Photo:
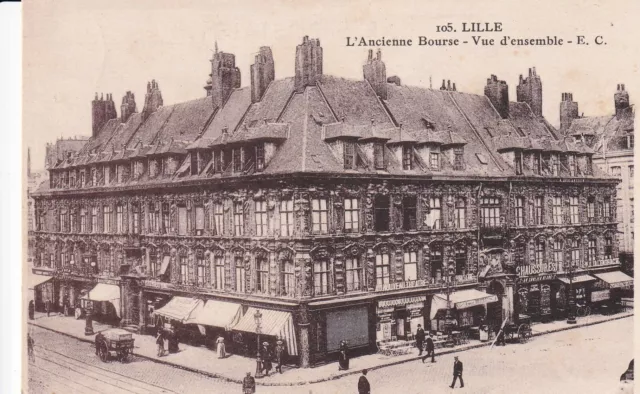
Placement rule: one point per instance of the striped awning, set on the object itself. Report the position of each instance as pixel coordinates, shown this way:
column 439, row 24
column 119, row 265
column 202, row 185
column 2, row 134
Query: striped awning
column 217, row 314
column 178, row 308
column 273, row 323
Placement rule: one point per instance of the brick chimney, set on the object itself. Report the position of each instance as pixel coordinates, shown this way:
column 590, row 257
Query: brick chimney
column 262, row 73
column 621, row 100
column 529, row 90
column 152, row 100
column 498, row 93
column 102, row 110
column 568, row 111
column 128, row 106
column 308, row 63
column 375, row 73
column 225, row 77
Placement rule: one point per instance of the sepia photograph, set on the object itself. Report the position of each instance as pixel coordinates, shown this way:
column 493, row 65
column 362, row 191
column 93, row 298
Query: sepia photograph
column 328, row 197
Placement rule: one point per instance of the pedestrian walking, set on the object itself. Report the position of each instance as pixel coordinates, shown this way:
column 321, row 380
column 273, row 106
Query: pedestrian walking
column 343, row 357
column 430, row 349
column 457, row 372
column 266, row 356
column 173, row 341
column 420, row 339
column 30, row 350
column 220, row 348
column 363, row 384
column 32, row 310
column 160, row 343
column 279, row 354
column 248, row 384
column 97, row 340
column 47, row 307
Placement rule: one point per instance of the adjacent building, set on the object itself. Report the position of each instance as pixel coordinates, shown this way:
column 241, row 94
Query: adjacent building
column 340, row 209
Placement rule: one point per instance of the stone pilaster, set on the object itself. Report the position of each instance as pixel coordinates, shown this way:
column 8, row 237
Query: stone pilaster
column 303, row 325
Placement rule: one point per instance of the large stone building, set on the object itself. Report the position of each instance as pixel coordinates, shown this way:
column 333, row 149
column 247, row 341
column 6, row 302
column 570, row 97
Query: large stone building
column 338, row 208
column 612, row 139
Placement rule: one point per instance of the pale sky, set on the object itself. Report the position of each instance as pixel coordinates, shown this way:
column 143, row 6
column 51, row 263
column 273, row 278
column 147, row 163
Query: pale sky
column 73, row 49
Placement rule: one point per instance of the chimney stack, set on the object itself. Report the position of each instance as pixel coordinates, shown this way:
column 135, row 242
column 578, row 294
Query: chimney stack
column 152, row 100
column 101, row 111
column 529, row 90
column 308, row 63
column 568, row 111
column 498, row 93
column 375, row 73
column 621, row 100
column 262, row 73
column 225, row 77
column 128, row 107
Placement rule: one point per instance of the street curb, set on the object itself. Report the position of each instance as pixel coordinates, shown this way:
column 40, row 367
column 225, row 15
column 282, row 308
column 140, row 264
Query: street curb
column 343, row 374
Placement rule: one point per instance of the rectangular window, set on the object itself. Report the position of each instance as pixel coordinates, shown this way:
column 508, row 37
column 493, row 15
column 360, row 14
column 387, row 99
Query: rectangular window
column 434, row 160
column 591, row 208
column 260, row 157
column 378, row 156
column 555, row 166
column 286, row 218
column 616, row 171
column 262, row 268
column 435, row 259
column 241, row 275
column 461, row 259
column 381, row 210
column 410, row 266
column 539, row 256
column 288, row 278
column 608, row 248
column 631, row 210
column 182, row 219
column 574, row 210
column 382, row 269
column 319, row 213
column 153, row 264
column 630, row 141
column 519, row 211
column 539, row 210
column 631, row 177
column 558, row 252
column 572, row 165
column 165, row 218
column 136, row 218
column 82, row 183
column 458, row 159
column 218, row 161
column 119, row 219
column 83, row 220
column 490, row 212
column 262, row 224
column 351, row 215
column 606, row 209
column 353, row 273
column 536, row 163
column 518, row 160
column 592, row 250
column 349, row 155
column 73, row 222
column 218, row 218
column 94, row 219
column 460, row 213
column 238, row 219
column 557, row 209
column 201, row 267
column 63, row 260
column 154, row 217
column 184, row 270
column 409, row 213
column 219, row 267
column 434, row 214
column 321, row 270
column 237, row 160
column 106, row 219
column 407, row 157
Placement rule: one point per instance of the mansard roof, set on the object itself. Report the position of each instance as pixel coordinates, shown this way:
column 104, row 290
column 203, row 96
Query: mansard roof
column 612, row 129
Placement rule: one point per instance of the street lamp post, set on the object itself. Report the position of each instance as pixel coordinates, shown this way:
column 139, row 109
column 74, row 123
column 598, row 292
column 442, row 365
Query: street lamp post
column 450, row 282
column 258, row 319
column 88, row 328
column 571, row 313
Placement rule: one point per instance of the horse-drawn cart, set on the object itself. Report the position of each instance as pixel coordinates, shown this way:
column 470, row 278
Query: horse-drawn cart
column 114, row 342
column 519, row 331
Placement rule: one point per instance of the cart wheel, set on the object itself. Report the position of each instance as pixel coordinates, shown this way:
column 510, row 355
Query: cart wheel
column 103, row 353
column 124, row 355
column 524, row 333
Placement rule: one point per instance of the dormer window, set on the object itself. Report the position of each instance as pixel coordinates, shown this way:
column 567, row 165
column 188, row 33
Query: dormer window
column 536, row 163
column 555, row 166
column 378, row 155
column 572, row 165
column 218, row 163
column 260, row 157
column 434, row 160
column 458, row 159
column 407, row 157
column 194, row 163
column 82, row 178
column 237, row 159
column 630, row 141
column 518, row 162
column 349, row 155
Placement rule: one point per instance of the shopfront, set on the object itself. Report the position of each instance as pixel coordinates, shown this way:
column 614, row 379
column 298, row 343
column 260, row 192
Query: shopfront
column 468, row 308
column 398, row 317
column 618, row 283
column 538, row 296
column 41, row 289
column 581, row 285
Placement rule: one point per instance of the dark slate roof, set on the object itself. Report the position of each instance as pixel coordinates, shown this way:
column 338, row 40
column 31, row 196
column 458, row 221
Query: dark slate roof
column 611, row 128
column 186, row 121
column 272, row 104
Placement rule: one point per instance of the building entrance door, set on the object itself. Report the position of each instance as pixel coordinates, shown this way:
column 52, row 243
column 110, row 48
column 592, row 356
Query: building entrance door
column 494, row 309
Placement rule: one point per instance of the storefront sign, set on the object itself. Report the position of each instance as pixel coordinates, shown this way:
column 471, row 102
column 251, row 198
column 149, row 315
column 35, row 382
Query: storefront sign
column 400, row 301
column 475, row 302
column 42, row 272
column 536, row 269
column 407, row 285
column 158, row 285
column 537, row 278
column 600, row 295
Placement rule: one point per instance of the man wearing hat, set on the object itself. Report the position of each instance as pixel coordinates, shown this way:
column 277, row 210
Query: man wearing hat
column 248, row 384
column 279, row 354
column 265, row 355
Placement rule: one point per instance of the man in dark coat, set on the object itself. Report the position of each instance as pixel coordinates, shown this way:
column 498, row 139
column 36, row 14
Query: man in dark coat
column 47, row 307
column 248, row 384
column 265, row 355
column 32, row 310
column 457, row 372
column 419, row 339
column 343, row 357
column 430, row 349
column 363, row 384
column 500, row 336
column 160, row 343
column 97, row 341
column 279, row 354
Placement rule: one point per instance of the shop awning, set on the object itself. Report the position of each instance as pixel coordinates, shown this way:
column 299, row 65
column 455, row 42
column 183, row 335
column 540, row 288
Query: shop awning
column 217, row 314
column 616, row 279
column 105, row 292
column 179, row 308
column 35, row 280
column 578, row 279
column 461, row 300
column 274, row 323
column 165, row 265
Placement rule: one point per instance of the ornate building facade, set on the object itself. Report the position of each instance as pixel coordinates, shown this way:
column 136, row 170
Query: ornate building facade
column 339, row 208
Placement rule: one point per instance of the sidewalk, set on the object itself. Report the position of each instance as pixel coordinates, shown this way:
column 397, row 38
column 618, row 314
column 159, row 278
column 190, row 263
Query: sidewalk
column 233, row 368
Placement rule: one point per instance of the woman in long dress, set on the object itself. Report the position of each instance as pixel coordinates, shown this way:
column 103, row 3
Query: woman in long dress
column 220, row 348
